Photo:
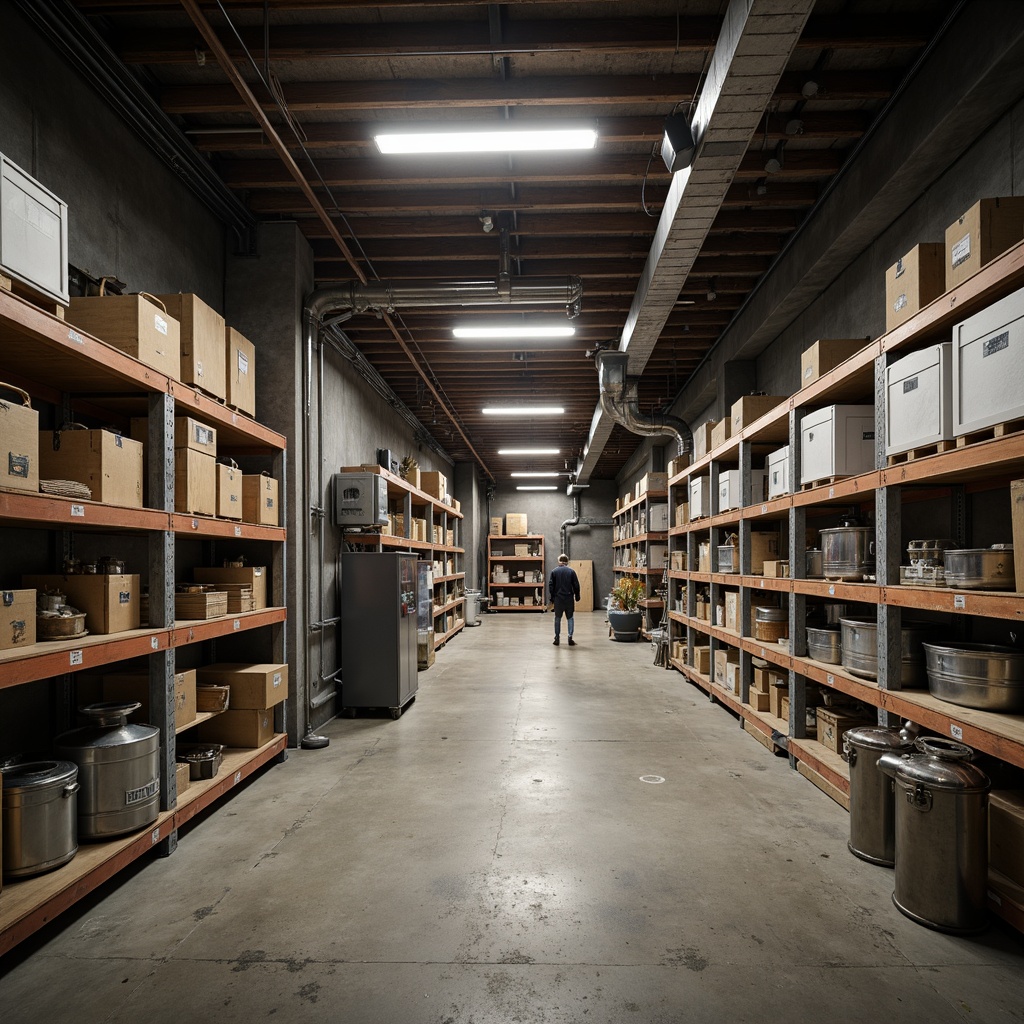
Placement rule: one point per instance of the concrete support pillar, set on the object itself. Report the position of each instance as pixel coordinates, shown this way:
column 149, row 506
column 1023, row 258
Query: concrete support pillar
column 467, row 489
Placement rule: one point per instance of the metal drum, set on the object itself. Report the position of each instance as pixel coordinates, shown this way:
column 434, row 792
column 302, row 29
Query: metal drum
column 40, row 809
column 872, row 809
column 119, row 770
column 860, row 648
column 941, row 835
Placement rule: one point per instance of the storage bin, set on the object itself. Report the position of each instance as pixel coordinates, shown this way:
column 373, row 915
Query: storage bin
column 919, row 399
column 700, row 497
column 729, row 489
column 838, row 440
column 778, row 473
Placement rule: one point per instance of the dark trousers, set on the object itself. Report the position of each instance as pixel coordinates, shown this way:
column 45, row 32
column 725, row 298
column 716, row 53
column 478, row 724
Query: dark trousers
column 565, row 608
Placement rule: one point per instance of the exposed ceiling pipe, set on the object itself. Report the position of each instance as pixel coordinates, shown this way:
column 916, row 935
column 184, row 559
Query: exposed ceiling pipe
column 619, row 401
column 563, row 530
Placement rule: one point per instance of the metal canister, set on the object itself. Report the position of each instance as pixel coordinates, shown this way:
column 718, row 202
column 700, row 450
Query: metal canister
column 119, row 770
column 872, row 807
column 771, row 624
column 40, row 811
column 941, row 835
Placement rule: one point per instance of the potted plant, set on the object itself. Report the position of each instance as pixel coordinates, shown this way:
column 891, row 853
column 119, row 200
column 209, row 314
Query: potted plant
column 624, row 615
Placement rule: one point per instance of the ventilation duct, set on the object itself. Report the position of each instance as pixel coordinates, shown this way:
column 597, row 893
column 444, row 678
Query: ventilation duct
column 619, row 401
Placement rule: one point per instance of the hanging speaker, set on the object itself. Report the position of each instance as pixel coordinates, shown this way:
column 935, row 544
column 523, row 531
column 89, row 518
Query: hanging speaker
column 677, row 143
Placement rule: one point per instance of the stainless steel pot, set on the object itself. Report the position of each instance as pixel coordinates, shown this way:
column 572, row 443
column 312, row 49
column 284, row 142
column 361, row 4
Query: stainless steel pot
column 824, row 645
column 815, row 563
column 40, row 809
column 119, row 770
column 860, row 649
column 980, row 568
column 941, row 835
column 848, row 552
column 872, row 808
column 980, row 676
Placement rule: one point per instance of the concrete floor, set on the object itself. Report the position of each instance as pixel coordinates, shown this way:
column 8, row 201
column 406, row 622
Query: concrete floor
column 495, row 856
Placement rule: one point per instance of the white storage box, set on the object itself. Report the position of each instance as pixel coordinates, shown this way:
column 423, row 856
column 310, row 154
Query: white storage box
column 33, row 233
column 729, row 489
column 919, row 399
column 838, row 440
column 777, row 470
column 700, row 497
column 657, row 518
column 988, row 366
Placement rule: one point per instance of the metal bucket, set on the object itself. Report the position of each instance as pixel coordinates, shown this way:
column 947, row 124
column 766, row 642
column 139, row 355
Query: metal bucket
column 40, row 809
column 872, row 807
column 860, row 649
column 472, row 607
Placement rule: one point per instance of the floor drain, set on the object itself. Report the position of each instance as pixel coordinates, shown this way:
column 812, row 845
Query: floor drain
column 654, row 780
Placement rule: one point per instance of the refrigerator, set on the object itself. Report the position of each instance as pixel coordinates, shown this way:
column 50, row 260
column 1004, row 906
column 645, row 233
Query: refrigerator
column 378, row 630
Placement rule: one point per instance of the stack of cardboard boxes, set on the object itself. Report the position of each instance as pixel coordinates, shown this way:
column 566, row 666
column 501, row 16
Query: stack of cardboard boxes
column 255, row 691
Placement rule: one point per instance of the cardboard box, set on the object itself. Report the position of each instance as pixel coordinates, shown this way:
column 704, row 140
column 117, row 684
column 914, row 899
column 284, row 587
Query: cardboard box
column 515, row 524
column 1017, row 515
column 188, row 433
column 425, row 653
column 677, row 465
column 760, row 679
column 133, row 324
column 229, row 492
column 260, row 500
column 434, row 484
column 678, row 560
column 833, row 723
column 776, row 569
column 652, row 482
column 732, row 610
column 682, row 513
column 182, row 776
column 702, row 659
column 702, row 440
column 759, row 701
column 110, row 602
column 764, row 547
column 238, row 728
column 721, row 432
column 240, row 371
column 203, row 343
column 110, row 465
column 134, row 686
column 1006, row 833
column 825, row 355
column 253, row 687
column 17, row 619
column 732, row 676
column 253, row 576
column 723, row 657
column 19, row 442
column 195, row 482
column 979, row 235
column 913, row 281
column 778, row 689
column 704, row 556
column 751, row 407
column 497, row 527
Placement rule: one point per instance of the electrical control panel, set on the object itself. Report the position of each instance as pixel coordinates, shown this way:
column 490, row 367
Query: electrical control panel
column 360, row 499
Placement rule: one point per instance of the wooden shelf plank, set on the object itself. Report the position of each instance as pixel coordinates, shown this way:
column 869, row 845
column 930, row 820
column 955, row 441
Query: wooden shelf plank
column 992, row 604
column 658, row 496
column 517, row 607
column 208, row 526
column 46, row 511
column 440, row 641
column 193, row 631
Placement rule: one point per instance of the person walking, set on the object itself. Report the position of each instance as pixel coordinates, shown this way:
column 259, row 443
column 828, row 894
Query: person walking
column 564, row 589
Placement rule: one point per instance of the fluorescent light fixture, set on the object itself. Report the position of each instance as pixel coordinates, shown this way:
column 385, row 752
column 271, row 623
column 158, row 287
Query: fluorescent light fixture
column 523, row 410
column 521, row 476
column 536, row 487
column 529, row 451
column 513, row 139
column 515, row 332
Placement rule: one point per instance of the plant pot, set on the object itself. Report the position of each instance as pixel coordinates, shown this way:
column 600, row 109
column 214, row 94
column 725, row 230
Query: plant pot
column 625, row 625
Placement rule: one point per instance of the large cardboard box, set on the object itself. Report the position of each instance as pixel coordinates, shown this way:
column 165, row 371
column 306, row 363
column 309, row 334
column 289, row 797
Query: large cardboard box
column 702, row 660
column 188, row 433
column 732, row 610
column 723, row 657
column 195, row 482
column 751, row 407
column 110, row 601
column 979, row 235
column 833, row 724
column 652, row 482
column 253, row 687
column 515, row 524
column 497, row 526
column 17, row 619
column 778, row 689
column 203, row 343
column 434, row 484
column 133, row 324
column 677, row 465
column 239, row 728
column 182, row 776
column 825, row 355
column 254, row 576
column 425, row 653
column 759, row 701
column 1006, row 833
column 229, row 492
column 134, row 686
column 110, row 465
column 260, row 500
column 584, row 569
column 721, row 432
column 241, row 371
column 913, row 281
column 19, row 442
column 702, row 440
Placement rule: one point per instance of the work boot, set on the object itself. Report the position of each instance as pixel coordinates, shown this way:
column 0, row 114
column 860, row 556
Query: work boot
column 555, row 641
column 572, row 643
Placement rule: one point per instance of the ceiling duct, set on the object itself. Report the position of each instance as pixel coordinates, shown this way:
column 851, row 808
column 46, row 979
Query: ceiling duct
column 619, row 401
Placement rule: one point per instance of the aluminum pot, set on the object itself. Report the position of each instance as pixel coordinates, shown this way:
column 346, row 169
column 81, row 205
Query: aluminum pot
column 980, row 568
column 980, row 676
column 119, row 770
column 848, row 552
column 824, row 645
column 872, row 807
column 815, row 563
column 40, row 810
column 860, row 649
column 941, row 835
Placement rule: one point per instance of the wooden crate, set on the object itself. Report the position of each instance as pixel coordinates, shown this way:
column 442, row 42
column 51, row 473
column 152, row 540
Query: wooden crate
column 200, row 604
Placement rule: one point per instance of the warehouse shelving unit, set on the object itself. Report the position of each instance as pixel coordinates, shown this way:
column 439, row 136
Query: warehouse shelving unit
column 529, row 563
column 58, row 364
column 985, row 465
column 632, row 554
column 443, row 524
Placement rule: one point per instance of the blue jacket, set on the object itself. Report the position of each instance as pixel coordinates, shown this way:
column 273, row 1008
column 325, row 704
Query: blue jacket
column 564, row 584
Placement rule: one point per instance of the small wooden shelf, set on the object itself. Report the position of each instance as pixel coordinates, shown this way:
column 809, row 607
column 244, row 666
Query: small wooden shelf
column 659, row 496
column 442, row 639
column 658, row 537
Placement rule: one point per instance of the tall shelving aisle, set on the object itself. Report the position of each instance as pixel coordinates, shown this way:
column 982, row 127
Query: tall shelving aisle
column 520, row 554
column 72, row 371
column 640, row 546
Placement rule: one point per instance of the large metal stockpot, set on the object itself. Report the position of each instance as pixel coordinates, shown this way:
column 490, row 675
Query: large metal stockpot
column 941, row 835
column 40, row 809
column 980, row 676
column 860, row 649
column 848, row 552
column 119, row 770
column 872, row 810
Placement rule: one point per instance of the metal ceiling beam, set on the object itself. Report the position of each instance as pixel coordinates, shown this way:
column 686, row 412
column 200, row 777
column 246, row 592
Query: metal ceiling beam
column 755, row 45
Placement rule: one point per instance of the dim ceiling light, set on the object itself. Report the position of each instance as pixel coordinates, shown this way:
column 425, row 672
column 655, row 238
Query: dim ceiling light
column 501, row 140
column 522, row 476
column 523, row 410
column 536, row 487
column 515, row 332
column 529, row 451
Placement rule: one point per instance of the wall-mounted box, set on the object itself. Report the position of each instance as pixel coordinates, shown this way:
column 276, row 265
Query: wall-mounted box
column 838, row 440
column 980, row 234
column 826, row 354
column 777, row 472
column 729, row 489
column 913, row 281
column 33, row 233
column 700, row 497
column 203, row 343
column 988, row 366
column 919, row 399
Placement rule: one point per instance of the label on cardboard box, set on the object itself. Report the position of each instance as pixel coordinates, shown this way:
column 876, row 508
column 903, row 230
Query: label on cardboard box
column 159, row 323
column 243, row 363
column 960, row 252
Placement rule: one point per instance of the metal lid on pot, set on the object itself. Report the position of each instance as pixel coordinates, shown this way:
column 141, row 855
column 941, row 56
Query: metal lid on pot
column 878, row 738
column 109, row 728
column 769, row 613
column 37, row 774
column 943, row 764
